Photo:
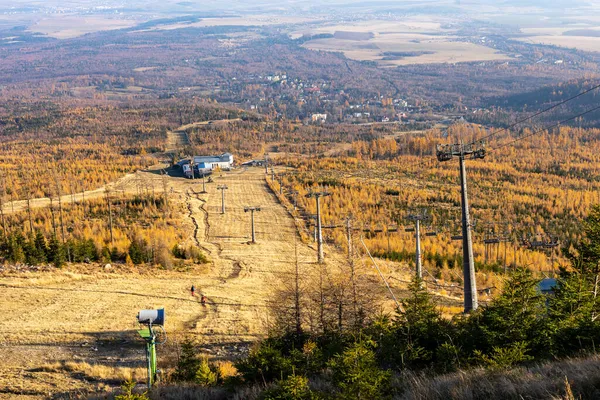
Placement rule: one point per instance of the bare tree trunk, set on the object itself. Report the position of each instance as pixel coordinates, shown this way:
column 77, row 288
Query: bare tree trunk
column 166, row 196
column 340, row 315
column 352, row 271
column 297, row 310
column 61, row 218
column 2, row 196
column 321, row 298
column 594, row 316
column 83, row 200
column 29, row 209
column 52, row 214
column 110, row 221
column 72, row 194
column 4, row 231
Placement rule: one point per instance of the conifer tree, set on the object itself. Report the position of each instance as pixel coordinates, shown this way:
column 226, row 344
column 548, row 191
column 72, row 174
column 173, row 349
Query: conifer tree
column 517, row 315
column 41, row 247
column 15, row 251
column 418, row 329
column 56, row 252
column 357, row 375
column 188, row 363
column 574, row 309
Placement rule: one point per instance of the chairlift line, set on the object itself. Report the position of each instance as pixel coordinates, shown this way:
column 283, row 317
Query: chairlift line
column 545, row 128
column 446, row 152
column 381, row 275
column 541, row 112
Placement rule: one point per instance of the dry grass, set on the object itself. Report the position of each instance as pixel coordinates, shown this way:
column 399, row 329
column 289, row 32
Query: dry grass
column 568, row 391
column 97, row 371
column 561, row 380
column 546, row 381
column 89, row 312
column 451, row 310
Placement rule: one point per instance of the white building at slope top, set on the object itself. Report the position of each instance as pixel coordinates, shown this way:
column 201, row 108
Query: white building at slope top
column 205, row 164
column 224, row 161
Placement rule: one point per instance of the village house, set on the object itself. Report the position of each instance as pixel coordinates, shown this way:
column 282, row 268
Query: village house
column 319, row 118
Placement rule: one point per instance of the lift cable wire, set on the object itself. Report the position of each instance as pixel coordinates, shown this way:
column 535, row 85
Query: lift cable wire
column 540, row 113
column 544, row 129
column 381, row 275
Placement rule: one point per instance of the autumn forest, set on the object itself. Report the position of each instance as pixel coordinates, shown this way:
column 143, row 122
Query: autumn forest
column 97, row 128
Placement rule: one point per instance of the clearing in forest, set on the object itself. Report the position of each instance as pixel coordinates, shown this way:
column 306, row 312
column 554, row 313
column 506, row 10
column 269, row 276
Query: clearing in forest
column 176, row 140
column 87, row 313
column 61, row 325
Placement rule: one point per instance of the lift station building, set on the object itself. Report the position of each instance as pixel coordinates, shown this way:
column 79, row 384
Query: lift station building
column 204, row 165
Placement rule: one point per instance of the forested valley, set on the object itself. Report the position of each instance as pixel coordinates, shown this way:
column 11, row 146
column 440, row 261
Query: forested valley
column 297, row 271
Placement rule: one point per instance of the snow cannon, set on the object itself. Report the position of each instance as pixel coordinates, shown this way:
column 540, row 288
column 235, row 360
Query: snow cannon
column 152, row 317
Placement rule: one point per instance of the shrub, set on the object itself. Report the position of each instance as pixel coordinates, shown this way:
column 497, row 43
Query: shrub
column 56, row 252
column 206, row 374
column 189, row 253
column 138, row 251
column 418, row 330
column 505, row 357
column 358, row 376
column 187, row 364
column 517, row 315
column 163, row 256
column 294, row 387
column 128, row 394
column 264, row 364
column 194, row 368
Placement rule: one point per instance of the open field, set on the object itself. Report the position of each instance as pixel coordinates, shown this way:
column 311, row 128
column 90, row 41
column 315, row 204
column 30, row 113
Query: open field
column 580, row 32
column 407, row 49
column 247, row 20
column 586, row 43
column 144, row 69
column 66, row 27
column 414, row 40
column 414, row 23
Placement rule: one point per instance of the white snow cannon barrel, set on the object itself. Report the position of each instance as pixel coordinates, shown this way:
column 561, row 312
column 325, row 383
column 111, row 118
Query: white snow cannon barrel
column 153, row 317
